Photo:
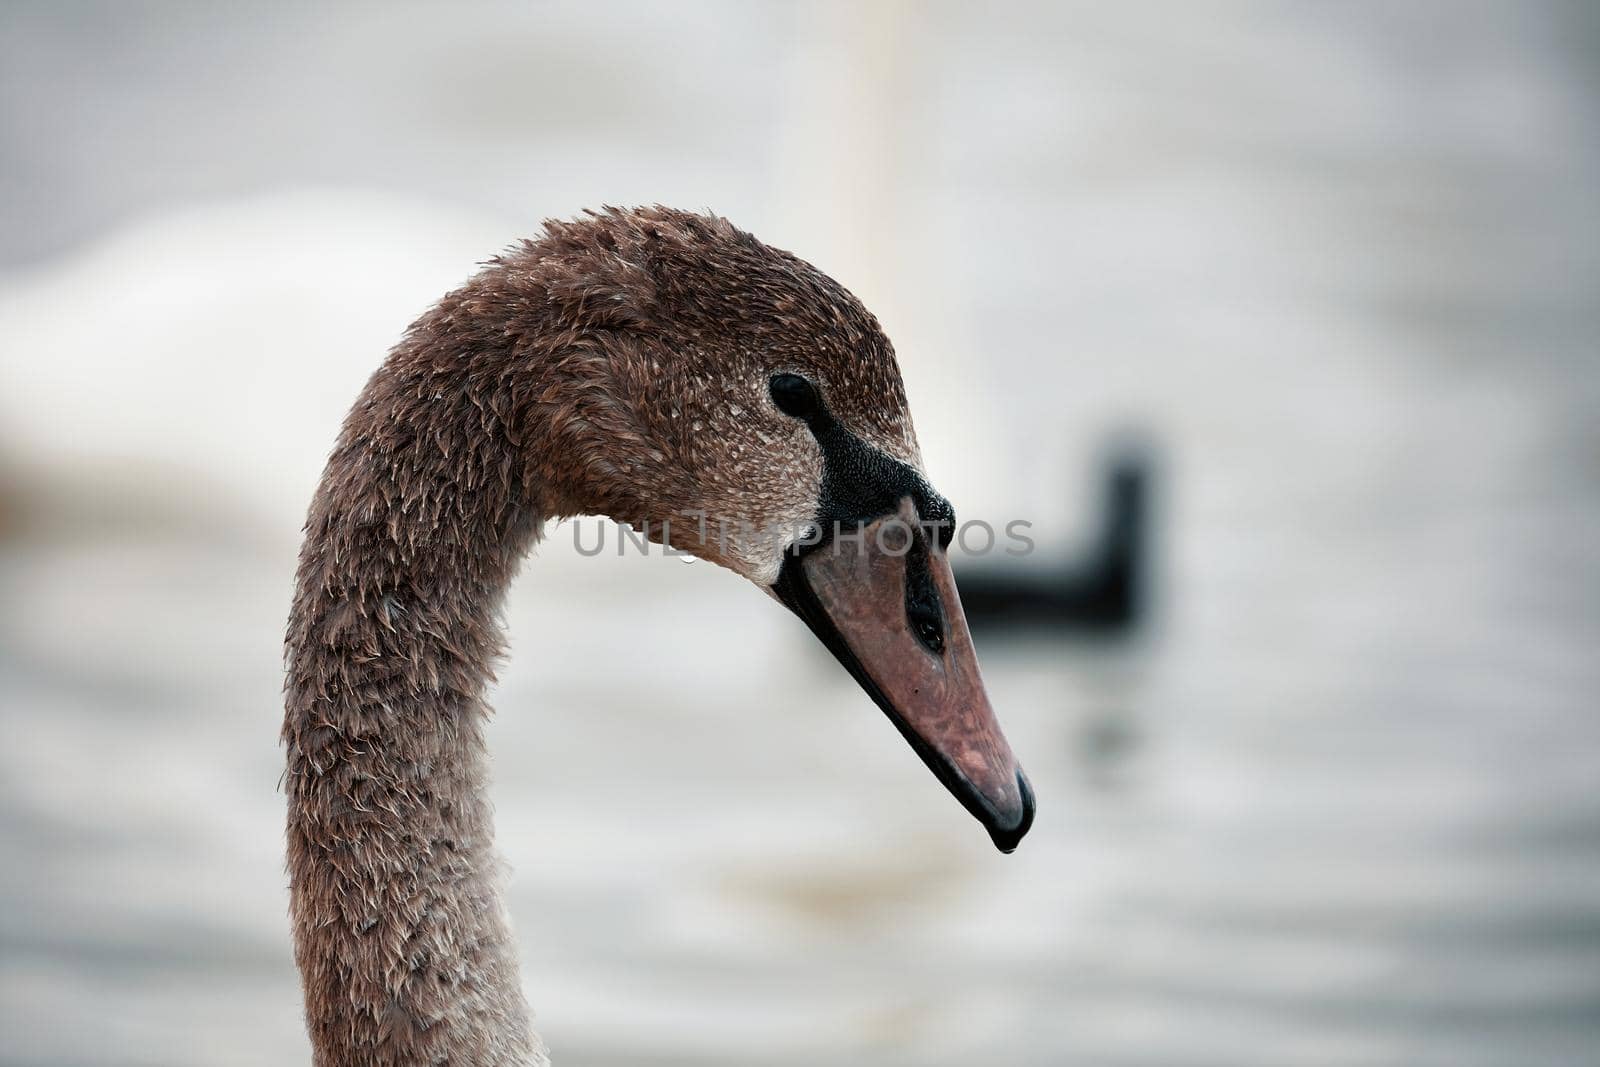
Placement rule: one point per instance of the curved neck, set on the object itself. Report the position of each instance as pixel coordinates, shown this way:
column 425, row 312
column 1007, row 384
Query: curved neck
column 412, row 538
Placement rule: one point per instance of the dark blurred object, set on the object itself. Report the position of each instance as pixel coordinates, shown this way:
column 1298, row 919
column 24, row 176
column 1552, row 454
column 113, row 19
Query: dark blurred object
column 1104, row 592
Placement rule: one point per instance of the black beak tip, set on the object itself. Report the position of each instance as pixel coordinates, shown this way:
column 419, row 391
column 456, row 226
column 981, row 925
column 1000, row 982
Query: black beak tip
column 1006, row 838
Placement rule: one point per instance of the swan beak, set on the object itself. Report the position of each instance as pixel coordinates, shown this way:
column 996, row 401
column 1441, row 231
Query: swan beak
column 883, row 599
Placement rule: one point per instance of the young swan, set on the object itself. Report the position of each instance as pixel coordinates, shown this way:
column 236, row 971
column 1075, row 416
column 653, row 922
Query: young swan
column 659, row 367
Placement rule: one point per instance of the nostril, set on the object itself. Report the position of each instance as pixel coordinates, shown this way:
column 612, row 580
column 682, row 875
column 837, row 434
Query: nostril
column 924, row 609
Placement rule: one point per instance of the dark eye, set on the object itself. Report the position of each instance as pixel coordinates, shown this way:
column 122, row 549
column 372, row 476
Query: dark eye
column 795, row 396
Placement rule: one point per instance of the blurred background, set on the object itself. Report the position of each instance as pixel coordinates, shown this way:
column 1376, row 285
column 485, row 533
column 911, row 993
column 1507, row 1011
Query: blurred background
column 1333, row 798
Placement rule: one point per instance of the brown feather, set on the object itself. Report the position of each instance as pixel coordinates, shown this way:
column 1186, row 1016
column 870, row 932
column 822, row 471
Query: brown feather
column 617, row 365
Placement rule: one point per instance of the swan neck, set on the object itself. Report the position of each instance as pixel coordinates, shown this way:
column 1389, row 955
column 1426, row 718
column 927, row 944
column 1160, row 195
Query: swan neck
column 412, row 538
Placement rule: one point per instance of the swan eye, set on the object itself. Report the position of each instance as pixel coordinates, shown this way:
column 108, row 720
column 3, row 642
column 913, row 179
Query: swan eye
column 795, row 396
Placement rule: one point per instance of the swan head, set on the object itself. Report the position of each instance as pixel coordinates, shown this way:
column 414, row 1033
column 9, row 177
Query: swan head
column 736, row 403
